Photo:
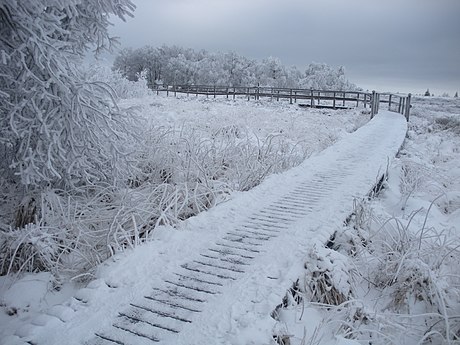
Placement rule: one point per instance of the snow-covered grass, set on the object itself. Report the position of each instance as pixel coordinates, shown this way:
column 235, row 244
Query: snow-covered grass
column 192, row 154
column 391, row 275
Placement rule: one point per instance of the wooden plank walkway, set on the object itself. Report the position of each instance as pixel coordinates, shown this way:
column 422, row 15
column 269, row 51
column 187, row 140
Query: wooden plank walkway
column 161, row 315
column 245, row 267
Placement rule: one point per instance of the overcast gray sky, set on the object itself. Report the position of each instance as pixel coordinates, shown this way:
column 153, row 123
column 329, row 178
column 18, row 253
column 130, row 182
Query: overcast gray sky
column 386, row 45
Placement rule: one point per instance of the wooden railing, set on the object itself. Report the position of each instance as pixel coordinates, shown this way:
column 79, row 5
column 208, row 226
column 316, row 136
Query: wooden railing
column 304, row 97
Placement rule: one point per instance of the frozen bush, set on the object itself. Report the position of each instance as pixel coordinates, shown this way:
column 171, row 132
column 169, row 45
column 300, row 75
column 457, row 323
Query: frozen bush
column 122, row 87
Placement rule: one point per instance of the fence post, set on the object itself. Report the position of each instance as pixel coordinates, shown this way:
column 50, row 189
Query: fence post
column 167, row 91
column 373, row 103
column 343, row 101
column 408, row 107
column 175, row 93
column 312, row 102
column 389, row 102
column 333, row 101
column 290, row 96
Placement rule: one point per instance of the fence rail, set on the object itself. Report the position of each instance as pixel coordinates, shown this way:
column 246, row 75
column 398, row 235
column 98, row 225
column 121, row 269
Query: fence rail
column 334, row 99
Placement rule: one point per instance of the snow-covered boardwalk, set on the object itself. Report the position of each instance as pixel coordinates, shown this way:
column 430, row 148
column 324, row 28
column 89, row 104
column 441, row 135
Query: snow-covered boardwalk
column 223, row 288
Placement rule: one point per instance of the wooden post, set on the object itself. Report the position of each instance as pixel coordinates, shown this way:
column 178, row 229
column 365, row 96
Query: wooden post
column 214, row 91
column 343, row 101
column 174, row 88
column 312, row 101
column 333, row 101
column 373, row 104
column 295, row 96
column 248, row 94
column 357, row 99
column 278, row 95
column 234, row 91
column 290, row 96
column 408, row 107
column 167, row 91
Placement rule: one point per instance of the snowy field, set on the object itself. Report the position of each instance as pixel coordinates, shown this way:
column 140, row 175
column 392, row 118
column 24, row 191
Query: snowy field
column 408, row 234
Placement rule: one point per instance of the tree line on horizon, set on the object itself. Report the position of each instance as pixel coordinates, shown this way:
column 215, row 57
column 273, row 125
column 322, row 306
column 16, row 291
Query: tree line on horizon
column 173, row 65
column 445, row 94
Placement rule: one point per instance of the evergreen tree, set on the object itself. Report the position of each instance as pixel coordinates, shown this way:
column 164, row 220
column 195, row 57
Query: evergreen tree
column 456, row 94
column 427, row 92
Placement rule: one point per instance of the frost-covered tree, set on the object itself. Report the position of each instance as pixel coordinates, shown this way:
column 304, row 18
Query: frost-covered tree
column 56, row 128
column 456, row 94
column 176, row 65
column 427, row 93
column 129, row 63
column 320, row 76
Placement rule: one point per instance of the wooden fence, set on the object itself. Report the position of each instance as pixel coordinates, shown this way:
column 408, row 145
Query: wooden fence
column 304, row 97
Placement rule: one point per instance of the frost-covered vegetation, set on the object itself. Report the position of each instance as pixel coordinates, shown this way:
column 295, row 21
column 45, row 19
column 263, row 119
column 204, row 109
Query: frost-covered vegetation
column 82, row 177
column 391, row 274
column 182, row 66
column 203, row 151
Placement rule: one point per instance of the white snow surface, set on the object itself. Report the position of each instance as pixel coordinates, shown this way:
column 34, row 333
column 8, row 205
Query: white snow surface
column 315, row 198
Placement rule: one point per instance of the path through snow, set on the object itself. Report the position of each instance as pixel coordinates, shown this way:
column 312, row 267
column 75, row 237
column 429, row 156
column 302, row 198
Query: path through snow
column 217, row 281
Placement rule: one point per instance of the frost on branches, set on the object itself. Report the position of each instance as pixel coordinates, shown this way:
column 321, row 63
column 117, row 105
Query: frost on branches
column 60, row 134
column 56, row 128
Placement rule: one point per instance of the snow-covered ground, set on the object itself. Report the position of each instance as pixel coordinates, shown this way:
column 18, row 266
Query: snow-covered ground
column 426, row 168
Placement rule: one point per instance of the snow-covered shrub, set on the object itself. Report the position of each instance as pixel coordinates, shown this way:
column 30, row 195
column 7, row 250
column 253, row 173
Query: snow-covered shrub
column 411, row 179
column 327, row 277
column 415, row 271
column 449, row 123
column 122, row 87
column 28, row 249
